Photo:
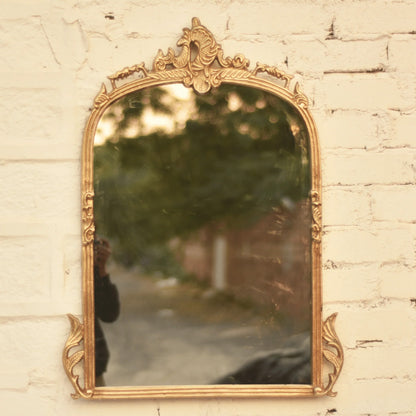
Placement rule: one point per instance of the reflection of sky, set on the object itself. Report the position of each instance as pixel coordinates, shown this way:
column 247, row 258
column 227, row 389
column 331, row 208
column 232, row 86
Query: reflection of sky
column 178, row 98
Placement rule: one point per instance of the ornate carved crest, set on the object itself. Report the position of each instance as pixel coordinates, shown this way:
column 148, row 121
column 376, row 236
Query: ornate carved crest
column 201, row 64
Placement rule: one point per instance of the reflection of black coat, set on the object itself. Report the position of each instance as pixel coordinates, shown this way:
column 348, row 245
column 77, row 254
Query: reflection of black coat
column 290, row 364
column 107, row 309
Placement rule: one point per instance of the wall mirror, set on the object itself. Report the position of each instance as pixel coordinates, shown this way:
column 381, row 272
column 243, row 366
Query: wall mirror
column 201, row 234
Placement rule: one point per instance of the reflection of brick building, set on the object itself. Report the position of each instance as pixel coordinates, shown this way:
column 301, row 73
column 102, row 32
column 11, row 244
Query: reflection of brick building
column 268, row 263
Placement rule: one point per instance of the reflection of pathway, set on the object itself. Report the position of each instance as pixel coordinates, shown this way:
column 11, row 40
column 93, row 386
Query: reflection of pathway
column 169, row 333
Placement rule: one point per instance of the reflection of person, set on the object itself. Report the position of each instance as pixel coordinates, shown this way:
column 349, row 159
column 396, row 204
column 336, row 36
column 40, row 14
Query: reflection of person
column 290, row 364
column 107, row 306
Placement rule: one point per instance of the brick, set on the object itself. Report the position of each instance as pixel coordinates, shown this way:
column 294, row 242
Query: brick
column 33, row 343
column 51, row 308
column 375, row 397
column 353, row 19
column 23, row 45
column 67, row 40
column 356, row 246
column 349, row 284
column 345, row 206
column 402, row 54
column 19, row 380
column 364, row 92
column 397, row 281
column 347, row 129
column 374, row 360
column 284, row 20
column 336, row 56
column 24, row 9
column 21, row 258
column 72, row 267
column 142, row 20
column 40, row 106
column 39, row 397
column 39, row 191
column 394, row 203
column 368, row 168
column 382, row 325
column 257, row 51
column 404, row 126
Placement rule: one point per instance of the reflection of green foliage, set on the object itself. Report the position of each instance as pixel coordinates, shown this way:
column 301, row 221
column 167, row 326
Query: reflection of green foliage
column 128, row 111
column 225, row 167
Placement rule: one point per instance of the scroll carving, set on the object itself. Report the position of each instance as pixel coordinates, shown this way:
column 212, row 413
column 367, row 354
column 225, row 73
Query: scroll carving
column 333, row 353
column 272, row 70
column 126, row 72
column 101, row 98
column 199, row 71
column 200, row 64
column 300, row 98
column 316, row 216
column 70, row 361
column 88, row 218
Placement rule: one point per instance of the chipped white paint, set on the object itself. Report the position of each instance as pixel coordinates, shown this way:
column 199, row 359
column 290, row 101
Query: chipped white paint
column 356, row 62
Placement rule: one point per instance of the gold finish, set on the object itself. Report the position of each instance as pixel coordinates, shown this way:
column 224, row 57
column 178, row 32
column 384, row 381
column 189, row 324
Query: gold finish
column 88, row 217
column 201, row 65
column 70, row 361
column 336, row 358
column 300, row 99
column 272, row 70
column 316, row 216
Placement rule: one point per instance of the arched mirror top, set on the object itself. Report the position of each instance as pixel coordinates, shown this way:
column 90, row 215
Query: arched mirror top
column 205, row 73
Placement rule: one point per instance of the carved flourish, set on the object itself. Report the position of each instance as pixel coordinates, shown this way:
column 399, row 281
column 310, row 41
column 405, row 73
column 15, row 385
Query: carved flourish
column 316, row 216
column 101, row 98
column 300, row 99
column 199, row 71
column 70, row 361
column 272, row 70
column 200, row 64
column 88, row 218
column 126, row 72
column 333, row 353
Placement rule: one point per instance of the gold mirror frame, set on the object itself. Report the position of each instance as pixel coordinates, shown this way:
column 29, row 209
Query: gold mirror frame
column 207, row 69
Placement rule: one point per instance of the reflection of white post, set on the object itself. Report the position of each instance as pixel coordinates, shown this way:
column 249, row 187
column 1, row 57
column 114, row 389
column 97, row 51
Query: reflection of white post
column 220, row 263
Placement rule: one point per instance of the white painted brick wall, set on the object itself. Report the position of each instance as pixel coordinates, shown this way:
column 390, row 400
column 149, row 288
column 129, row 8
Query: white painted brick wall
column 356, row 61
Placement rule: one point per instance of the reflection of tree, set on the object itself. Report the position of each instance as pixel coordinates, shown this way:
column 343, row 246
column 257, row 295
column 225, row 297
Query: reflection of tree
column 241, row 153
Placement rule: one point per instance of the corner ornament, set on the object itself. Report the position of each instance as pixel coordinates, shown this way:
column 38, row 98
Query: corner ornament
column 333, row 353
column 70, row 361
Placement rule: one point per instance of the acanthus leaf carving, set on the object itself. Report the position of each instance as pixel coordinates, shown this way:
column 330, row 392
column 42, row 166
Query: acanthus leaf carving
column 101, row 98
column 274, row 71
column 300, row 98
column 75, row 337
column 88, row 218
column 333, row 354
column 316, row 215
column 126, row 72
column 201, row 64
column 200, row 73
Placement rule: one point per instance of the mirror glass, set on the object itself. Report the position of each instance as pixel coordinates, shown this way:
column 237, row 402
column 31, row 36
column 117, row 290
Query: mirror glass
column 202, row 251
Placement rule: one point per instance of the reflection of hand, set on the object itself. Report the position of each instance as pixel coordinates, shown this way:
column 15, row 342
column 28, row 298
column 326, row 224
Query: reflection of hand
column 102, row 252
